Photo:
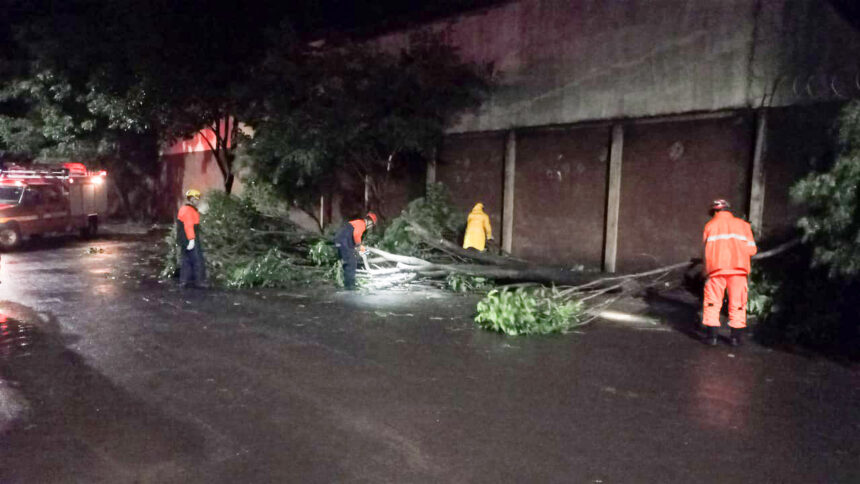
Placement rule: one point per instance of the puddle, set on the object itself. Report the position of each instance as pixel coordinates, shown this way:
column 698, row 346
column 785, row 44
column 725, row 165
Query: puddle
column 16, row 338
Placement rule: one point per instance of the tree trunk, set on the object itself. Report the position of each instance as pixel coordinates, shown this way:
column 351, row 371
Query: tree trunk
column 450, row 248
column 522, row 272
column 123, row 200
column 228, row 183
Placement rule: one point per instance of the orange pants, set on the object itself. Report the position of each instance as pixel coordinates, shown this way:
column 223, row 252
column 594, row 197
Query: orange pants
column 714, row 290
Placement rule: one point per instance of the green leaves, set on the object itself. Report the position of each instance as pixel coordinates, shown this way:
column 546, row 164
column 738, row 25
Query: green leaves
column 272, row 269
column 464, row 283
column 322, row 253
column 832, row 225
column 809, row 296
column 355, row 109
column 246, row 248
column 528, row 311
column 435, row 212
column 760, row 294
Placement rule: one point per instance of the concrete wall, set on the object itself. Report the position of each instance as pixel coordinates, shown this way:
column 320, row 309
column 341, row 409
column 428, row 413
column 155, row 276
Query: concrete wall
column 671, row 172
column 799, row 139
column 182, row 171
column 671, row 169
column 654, row 66
column 560, row 185
column 403, row 183
column 566, row 61
column 569, row 70
column 472, row 167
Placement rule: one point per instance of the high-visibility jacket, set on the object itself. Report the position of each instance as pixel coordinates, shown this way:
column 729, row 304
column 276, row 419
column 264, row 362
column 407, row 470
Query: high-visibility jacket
column 187, row 224
column 729, row 244
column 478, row 228
column 358, row 228
column 351, row 233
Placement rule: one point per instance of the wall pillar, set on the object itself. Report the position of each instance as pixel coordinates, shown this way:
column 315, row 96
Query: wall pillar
column 613, row 199
column 322, row 212
column 757, row 181
column 366, row 193
column 508, row 193
column 431, row 169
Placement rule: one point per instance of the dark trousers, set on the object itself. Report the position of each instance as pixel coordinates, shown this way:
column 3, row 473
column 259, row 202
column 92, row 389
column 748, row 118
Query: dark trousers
column 193, row 270
column 347, row 258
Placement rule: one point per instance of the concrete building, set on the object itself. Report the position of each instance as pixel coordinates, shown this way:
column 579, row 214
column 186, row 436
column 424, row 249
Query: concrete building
column 616, row 122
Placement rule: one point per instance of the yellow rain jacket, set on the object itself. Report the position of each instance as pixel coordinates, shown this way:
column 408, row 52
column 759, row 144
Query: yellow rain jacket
column 478, row 228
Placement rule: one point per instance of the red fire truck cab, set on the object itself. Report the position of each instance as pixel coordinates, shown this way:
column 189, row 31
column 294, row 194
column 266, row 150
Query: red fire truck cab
column 50, row 199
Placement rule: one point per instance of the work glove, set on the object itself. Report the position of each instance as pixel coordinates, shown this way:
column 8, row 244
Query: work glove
column 190, row 244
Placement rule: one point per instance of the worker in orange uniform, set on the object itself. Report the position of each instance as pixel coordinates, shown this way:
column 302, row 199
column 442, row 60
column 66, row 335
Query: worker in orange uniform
column 192, row 273
column 347, row 238
column 478, row 229
column 728, row 246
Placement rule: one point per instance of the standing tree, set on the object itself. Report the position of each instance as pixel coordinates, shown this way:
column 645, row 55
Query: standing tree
column 158, row 68
column 832, row 226
column 808, row 296
column 56, row 101
column 355, row 109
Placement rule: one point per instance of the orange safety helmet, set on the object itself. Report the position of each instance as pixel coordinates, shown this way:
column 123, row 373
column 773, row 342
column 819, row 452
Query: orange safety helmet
column 719, row 204
column 372, row 216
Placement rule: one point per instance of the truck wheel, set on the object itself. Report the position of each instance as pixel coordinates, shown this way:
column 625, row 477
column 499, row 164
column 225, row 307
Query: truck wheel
column 10, row 237
column 92, row 228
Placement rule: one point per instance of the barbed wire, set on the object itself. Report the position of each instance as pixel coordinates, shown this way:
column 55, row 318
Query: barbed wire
column 822, row 86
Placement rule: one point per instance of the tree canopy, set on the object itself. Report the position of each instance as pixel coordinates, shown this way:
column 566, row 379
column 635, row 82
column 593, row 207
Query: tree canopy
column 80, row 76
column 832, row 226
column 162, row 69
column 353, row 108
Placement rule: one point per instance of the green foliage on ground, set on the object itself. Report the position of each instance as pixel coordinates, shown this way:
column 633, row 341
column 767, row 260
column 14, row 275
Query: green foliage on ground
column 529, row 311
column 760, row 292
column 322, row 253
column 170, row 261
column 334, row 273
column 809, row 296
column 435, row 212
column 457, row 282
column 272, row 269
column 798, row 304
column 245, row 248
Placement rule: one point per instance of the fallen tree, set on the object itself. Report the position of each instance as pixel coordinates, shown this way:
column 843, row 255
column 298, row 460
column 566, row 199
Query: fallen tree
column 247, row 248
column 518, row 270
column 527, row 306
column 499, row 271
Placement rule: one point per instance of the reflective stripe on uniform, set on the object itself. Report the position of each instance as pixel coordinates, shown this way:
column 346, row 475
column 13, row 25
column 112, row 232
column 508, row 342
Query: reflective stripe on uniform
column 750, row 243
column 728, row 236
column 24, row 218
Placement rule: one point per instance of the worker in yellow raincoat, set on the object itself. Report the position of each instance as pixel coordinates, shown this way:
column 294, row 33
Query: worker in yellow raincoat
column 478, row 230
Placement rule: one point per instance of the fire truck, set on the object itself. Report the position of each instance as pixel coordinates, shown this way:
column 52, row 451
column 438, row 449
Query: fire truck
column 50, row 199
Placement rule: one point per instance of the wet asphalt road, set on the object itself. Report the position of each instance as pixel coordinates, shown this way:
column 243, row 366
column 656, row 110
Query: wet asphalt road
column 107, row 375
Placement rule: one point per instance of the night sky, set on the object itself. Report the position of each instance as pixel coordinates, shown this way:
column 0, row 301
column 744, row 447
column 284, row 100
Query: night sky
column 850, row 9
column 320, row 16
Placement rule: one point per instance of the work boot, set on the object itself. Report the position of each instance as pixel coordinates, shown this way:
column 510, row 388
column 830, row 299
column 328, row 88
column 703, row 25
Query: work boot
column 735, row 337
column 711, row 336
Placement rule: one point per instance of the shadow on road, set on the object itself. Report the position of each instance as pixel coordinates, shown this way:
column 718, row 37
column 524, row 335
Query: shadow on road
column 47, row 243
column 60, row 417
